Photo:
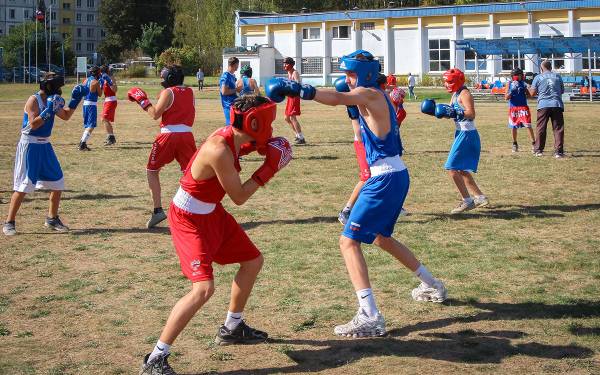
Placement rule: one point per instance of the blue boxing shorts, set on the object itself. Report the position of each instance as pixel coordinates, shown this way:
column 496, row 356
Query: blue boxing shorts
column 227, row 113
column 36, row 166
column 378, row 206
column 90, row 115
column 464, row 154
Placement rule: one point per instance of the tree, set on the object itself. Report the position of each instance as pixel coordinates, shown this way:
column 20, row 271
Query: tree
column 153, row 40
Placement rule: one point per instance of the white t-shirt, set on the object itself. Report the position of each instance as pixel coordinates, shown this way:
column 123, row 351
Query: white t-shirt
column 411, row 81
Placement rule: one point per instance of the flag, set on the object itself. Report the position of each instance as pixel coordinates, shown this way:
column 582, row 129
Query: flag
column 39, row 15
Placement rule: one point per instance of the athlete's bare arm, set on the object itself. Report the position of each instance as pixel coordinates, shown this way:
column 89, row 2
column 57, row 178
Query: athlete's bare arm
column 165, row 100
column 226, row 90
column 296, row 76
column 95, row 87
column 254, row 86
column 65, row 113
column 466, row 100
column 33, row 111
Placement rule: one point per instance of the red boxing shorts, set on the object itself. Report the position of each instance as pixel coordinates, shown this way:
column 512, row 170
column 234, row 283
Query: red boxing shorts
column 292, row 106
column 519, row 117
column 400, row 115
column 170, row 146
column 201, row 239
column 108, row 111
column 361, row 157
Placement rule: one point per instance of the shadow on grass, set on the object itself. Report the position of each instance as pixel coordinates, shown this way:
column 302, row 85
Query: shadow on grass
column 84, row 197
column 91, row 231
column 511, row 212
column 464, row 346
column 310, row 220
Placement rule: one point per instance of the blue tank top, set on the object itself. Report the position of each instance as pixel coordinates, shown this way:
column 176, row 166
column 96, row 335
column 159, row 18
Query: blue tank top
column 92, row 96
column 43, row 131
column 377, row 148
column 464, row 124
column 246, row 86
column 520, row 99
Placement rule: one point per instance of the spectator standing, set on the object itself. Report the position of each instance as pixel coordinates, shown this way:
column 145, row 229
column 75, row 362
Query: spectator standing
column 411, row 86
column 200, row 78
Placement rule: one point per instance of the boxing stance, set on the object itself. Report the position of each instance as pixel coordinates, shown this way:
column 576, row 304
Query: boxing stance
column 464, row 154
column 175, row 107
column 379, row 203
column 292, row 106
column 227, row 88
column 247, row 85
column 36, row 164
column 203, row 232
column 519, row 115
column 90, row 106
column 109, row 87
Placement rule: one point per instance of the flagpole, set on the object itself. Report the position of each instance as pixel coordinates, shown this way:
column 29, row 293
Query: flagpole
column 50, row 41
column 36, row 51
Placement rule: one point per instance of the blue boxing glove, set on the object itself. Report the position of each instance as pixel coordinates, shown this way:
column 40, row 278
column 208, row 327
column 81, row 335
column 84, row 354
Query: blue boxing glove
column 54, row 103
column 79, row 91
column 515, row 88
column 106, row 78
column 341, row 86
column 447, row 111
column 278, row 88
column 428, row 107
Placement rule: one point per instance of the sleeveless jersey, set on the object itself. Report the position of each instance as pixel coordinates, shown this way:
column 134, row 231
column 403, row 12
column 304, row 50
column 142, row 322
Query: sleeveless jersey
column 108, row 92
column 209, row 191
column 519, row 100
column 246, row 86
column 91, row 96
column 181, row 111
column 381, row 148
column 43, row 131
column 464, row 124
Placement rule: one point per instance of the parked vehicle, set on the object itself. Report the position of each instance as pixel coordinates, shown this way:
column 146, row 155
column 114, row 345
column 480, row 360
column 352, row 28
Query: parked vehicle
column 118, row 66
column 51, row 67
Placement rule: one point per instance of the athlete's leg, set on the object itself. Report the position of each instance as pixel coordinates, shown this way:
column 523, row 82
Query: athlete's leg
column 107, row 126
column 185, row 309
column 154, row 185
column 288, row 119
column 355, row 263
column 296, row 124
column 514, row 135
column 457, row 177
column 54, row 203
column 243, row 283
column 15, row 203
column 399, row 251
column 470, row 184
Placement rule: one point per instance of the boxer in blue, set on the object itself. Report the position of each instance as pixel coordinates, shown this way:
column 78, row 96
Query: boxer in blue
column 374, row 215
column 90, row 106
column 36, row 164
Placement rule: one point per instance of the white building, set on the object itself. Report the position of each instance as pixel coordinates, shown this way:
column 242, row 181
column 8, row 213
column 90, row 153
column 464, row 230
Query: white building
column 416, row 40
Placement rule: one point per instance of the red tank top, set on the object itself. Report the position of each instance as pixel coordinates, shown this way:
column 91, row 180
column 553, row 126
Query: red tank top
column 108, row 91
column 209, row 191
column 181, row 111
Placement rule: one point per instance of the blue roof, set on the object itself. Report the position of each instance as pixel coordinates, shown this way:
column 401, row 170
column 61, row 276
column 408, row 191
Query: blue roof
column 420, row 12
column 530, row 45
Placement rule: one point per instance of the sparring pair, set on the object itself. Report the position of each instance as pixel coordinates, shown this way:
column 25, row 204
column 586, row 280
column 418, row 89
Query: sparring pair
column 381, row 198
column 175, row 107
column 519, row 115
column 36, row 164
column 247, row 85
column 463, row 158
column 203, row 232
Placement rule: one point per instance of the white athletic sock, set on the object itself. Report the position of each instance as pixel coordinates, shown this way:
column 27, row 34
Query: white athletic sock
column 159, row 349
column 366, row 300
column 300, row 135
column 424, row 275
column 348, row 207
column 232, row 320
column 468, row 200
column 86, row 135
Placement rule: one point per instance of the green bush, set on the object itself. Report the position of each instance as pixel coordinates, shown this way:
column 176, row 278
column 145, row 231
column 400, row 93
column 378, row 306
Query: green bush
column 135, row 71
column 191, row 59
column 432, row 80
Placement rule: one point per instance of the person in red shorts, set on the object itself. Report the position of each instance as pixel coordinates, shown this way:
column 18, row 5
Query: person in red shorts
column 109, row 88
column 175, row 142
column 203, row 232
column 292, row 106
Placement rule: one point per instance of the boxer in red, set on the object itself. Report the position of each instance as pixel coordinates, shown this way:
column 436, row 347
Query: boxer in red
column 175, row 142
column 109, row 88
column 204, row 232
column 292, row 106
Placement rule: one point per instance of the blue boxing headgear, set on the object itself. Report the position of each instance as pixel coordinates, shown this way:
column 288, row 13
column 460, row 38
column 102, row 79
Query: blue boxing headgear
column 364, row 65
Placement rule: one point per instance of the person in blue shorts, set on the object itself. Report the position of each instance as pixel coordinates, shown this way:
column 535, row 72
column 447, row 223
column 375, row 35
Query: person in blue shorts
column 227, row 88
column 36, row 164
column 463, row 158
column 90, row 106
column 380, row 201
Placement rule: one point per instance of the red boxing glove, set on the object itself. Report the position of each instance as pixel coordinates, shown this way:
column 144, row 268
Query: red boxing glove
column 135, row 94
column 247, row 148
column 278, row 155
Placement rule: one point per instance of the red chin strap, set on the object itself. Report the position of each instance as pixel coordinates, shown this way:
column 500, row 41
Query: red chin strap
column 516, row 78
column 262, row 130
column 454, row 80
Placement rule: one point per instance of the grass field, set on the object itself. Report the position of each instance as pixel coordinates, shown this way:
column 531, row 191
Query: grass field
column 523, row 275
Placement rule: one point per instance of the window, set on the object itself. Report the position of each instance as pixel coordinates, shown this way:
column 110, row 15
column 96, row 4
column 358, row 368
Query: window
column 79, row 32
column 312, row 65
column 335, row 65
column 439, row 55
column 102, row 33
column 53, row 16
column 65, row 35
column 66, row 5
column 511, row 61
column 311, row 33
column 279, row 66
column 78, row 46
column 11, row 14
column 25, row 14
column 470, row 61
column 367, row 25
column 66, row 20
column 341, row 32
column 558, row 59
column 78, row 17
column 90, row 3
column 78, row 3
column 90, row 33
column 595, row 57
column 90, row 47
column 90, row 18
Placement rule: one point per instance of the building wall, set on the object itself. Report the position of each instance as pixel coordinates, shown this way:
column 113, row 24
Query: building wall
column 404, row 42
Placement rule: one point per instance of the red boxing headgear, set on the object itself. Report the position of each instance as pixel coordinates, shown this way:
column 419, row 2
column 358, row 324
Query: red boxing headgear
column 264, row 114
column 391, row 80
column 454, row 80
